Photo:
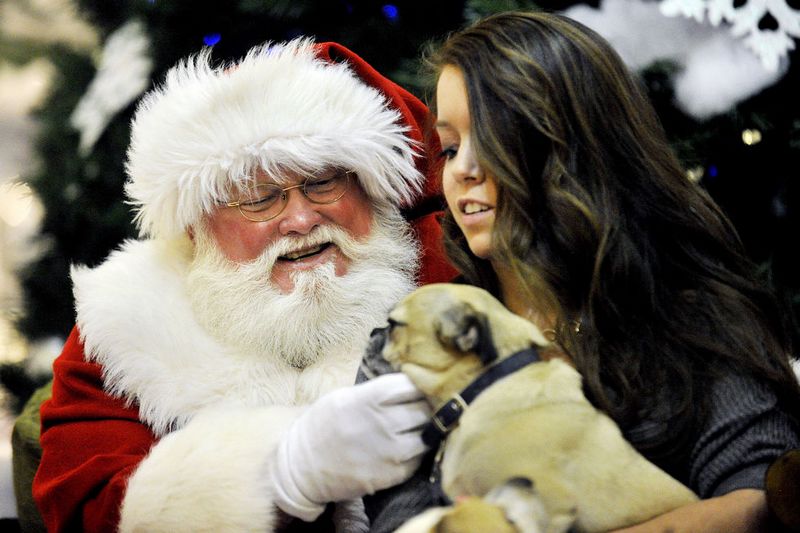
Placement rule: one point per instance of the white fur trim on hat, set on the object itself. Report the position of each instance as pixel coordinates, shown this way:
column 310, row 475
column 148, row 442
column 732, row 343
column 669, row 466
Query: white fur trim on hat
column 281, row 107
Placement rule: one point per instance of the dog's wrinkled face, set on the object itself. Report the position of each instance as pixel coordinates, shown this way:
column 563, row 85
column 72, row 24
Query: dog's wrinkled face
column 443, row 335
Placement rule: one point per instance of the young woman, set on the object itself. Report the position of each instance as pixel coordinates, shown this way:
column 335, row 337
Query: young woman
column 567, row 203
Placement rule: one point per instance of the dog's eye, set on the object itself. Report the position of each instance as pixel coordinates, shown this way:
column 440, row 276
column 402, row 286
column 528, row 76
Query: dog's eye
column 394, row 323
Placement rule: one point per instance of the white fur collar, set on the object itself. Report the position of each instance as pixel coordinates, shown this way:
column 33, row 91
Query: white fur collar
column 136, row 322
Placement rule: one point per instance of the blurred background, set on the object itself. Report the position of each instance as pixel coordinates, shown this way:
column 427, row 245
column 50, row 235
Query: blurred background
column 722, row 74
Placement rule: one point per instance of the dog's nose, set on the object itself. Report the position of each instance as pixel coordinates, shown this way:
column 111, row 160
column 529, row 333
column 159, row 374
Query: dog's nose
column 373, row 364
column 376, row 341
column 379, row 331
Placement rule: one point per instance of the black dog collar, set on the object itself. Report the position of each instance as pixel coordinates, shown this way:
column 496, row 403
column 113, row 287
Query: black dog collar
column 447, row 417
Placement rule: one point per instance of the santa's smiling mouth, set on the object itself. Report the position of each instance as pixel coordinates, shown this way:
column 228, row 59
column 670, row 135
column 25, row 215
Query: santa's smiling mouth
column 306, row 252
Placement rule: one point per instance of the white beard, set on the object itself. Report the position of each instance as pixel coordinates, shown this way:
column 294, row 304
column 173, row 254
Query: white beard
column 324, row 313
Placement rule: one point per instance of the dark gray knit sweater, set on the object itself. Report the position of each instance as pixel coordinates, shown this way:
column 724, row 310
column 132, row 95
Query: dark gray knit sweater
column 744, row 432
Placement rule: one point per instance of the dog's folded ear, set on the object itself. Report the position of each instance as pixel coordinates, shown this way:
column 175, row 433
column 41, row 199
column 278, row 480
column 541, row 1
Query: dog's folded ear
column 463, row 328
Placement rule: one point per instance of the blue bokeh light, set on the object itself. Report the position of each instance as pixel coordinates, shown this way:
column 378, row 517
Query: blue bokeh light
column 713, row 171
column 390, row 12
column 211, row 39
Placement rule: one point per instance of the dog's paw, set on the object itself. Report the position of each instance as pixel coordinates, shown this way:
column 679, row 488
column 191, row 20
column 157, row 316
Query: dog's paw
column 521, row 505
column 471, row 514
column 524, row 508
column 513, row 507
column 425, row 522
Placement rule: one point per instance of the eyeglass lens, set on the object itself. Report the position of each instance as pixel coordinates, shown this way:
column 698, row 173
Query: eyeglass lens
column 266, row 200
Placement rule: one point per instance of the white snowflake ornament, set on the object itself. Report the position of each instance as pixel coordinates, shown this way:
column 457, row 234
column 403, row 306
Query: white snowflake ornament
column 695, row 9
column 767, row 27
column 770, row 44
column 717, row 69
column 720, row 10
column 123, row 74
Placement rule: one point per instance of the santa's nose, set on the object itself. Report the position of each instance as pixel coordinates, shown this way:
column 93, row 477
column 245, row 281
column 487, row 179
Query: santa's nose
column 300, row 215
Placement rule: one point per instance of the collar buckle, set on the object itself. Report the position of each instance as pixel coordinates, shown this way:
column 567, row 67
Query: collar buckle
column 447, row 417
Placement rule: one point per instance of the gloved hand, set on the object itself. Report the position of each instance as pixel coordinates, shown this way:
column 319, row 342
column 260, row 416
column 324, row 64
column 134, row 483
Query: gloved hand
column 351, row 442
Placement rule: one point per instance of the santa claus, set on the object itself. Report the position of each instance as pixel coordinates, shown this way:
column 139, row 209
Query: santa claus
column 207, row 384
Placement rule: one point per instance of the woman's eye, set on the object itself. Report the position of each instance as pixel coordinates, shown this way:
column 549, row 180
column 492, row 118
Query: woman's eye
column 448, row 153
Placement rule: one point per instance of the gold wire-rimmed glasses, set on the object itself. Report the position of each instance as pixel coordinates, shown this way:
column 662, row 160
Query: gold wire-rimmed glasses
column 264, row 201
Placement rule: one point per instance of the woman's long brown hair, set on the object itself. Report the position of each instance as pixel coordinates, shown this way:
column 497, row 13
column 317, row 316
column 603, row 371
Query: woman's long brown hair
column 599, row 223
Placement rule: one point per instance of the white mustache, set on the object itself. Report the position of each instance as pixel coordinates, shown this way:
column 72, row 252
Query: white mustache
column 348, row 246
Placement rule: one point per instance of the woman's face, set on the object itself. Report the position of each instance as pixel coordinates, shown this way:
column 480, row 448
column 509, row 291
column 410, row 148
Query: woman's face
column 471, row 193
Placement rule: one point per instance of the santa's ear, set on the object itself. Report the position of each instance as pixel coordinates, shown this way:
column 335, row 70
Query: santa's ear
column 463, row 328
column 190, row 233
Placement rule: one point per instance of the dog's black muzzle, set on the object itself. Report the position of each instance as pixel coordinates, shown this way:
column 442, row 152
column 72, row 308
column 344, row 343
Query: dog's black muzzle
column 373, row 364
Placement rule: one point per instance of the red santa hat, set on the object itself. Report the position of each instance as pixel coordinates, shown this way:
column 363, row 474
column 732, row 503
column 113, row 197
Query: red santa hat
column 295, row 105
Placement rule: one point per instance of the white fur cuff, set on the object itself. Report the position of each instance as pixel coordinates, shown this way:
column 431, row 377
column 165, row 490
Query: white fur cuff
column 211, row 475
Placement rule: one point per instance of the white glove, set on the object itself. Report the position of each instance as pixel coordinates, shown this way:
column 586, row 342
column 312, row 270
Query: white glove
column 351, row 442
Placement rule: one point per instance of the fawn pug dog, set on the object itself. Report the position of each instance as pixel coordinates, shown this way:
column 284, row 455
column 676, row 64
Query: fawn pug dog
column 532, row 423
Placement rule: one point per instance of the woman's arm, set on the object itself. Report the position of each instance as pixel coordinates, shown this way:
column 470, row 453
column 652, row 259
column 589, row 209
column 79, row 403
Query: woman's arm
column 742, row 510
column 745, row 432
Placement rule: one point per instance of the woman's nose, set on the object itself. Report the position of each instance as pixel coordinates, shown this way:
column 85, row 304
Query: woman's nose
column 300, row 214
column 466, row 164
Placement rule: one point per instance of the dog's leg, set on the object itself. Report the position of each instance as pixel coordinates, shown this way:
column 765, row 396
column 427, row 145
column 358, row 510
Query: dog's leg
column 513, row 507
column 426, row 522
column 522, row 506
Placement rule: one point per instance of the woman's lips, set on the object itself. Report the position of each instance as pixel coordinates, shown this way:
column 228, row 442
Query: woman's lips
column 474, row 211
